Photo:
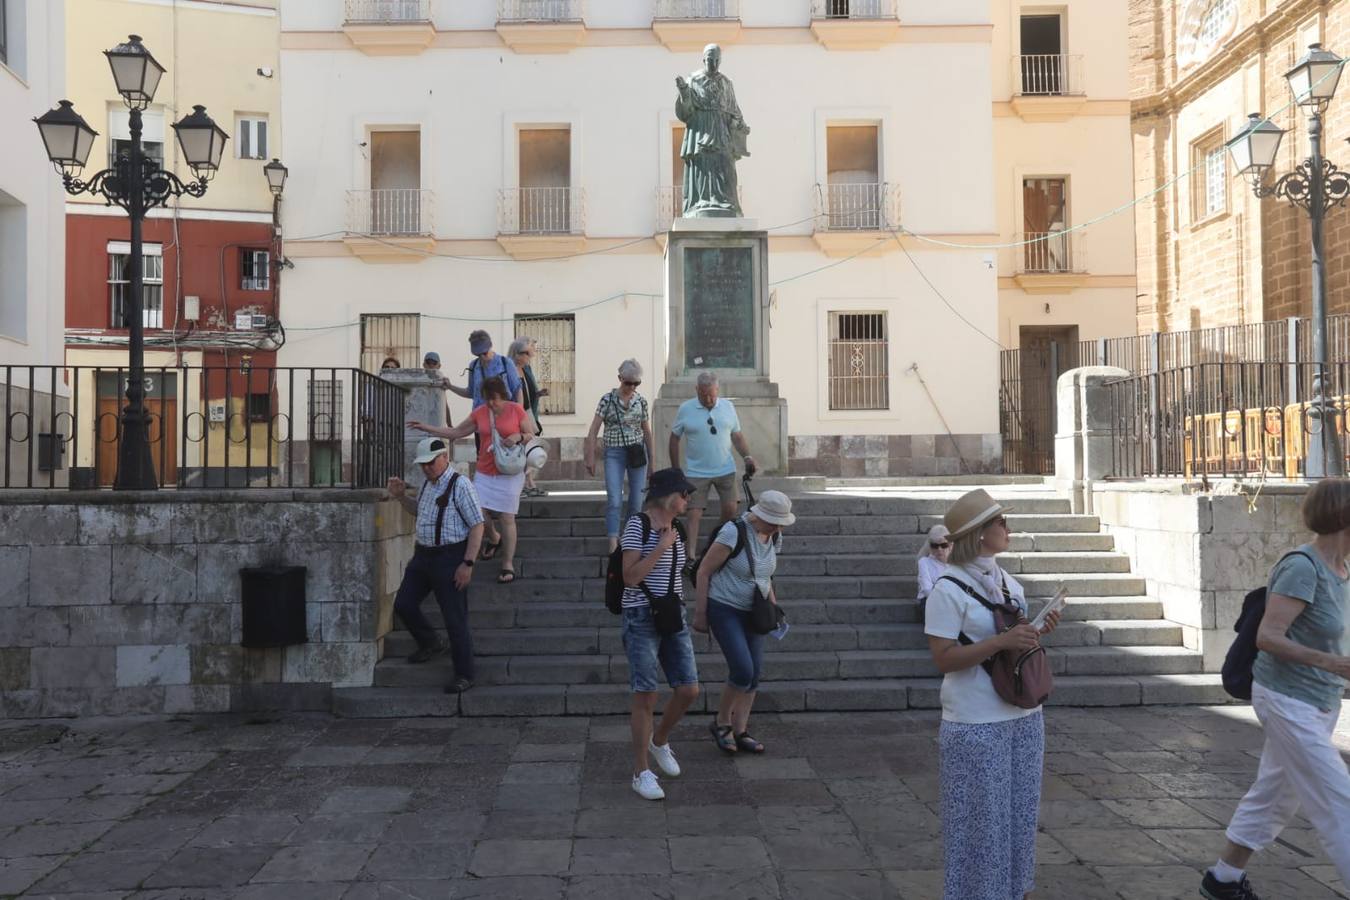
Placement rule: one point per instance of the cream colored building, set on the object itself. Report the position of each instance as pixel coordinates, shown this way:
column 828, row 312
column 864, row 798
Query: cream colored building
column 1063, row 159
column 32, row 235
column 481, row 163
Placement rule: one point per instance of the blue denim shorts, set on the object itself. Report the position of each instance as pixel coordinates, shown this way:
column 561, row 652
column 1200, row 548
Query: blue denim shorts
column 650, row 654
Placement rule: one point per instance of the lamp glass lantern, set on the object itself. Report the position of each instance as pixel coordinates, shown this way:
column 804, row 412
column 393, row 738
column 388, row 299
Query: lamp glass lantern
column 135, row 71
column 1314, row 79
column 67, row 137
column 202, row 141
column 1254, row 148
column 276, row 176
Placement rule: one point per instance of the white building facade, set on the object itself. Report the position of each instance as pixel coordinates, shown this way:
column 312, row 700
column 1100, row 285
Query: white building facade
column 512, row 165
column 32, row 244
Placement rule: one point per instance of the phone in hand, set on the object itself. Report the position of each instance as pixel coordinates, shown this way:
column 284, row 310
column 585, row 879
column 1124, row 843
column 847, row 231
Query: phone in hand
column 1054, row 604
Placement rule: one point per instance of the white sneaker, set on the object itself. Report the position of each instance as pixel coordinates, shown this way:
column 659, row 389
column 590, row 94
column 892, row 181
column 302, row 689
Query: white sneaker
column 665, row 759
column 646, row 787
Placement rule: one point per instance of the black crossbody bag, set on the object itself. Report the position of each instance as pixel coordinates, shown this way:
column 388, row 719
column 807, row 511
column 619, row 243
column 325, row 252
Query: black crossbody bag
column 668, row 610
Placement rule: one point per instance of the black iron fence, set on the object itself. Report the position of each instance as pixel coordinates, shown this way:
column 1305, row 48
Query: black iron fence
column 1226, row 419
column 239, row 427
column 1028, row 376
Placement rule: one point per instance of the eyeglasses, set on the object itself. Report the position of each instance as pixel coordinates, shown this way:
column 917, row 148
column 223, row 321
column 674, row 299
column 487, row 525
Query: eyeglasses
column 686, row 494
column 942, row 546
column 632, row 383
column 712, row 429
column 1001, row 522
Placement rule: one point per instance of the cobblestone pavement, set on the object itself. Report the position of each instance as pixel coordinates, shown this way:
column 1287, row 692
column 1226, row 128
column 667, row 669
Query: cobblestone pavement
column 307, row 806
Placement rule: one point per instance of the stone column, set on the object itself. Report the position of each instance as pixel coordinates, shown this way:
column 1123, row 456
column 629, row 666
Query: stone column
column 1083, row 431
column 426, row 403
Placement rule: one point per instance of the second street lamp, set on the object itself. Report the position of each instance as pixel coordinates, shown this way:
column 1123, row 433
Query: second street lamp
column 1316, row 186
column 136, row 185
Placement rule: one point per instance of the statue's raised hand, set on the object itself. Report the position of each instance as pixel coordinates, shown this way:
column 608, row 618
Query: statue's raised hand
column 681, row 83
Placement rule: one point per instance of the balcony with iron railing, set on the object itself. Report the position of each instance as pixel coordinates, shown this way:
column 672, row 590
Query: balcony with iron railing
column 692, row 24
column 541, row 26
column 1049, row 262
column 541, row 221
column 390, row 224
column 389, row 27
column 855, row 217
column 1048, row 87
column 855, row 24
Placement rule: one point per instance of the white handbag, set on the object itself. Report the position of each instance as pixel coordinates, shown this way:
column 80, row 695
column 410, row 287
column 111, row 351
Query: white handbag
column 509, row 460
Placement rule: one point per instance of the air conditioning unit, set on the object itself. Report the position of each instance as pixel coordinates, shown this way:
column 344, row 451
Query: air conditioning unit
column 215, row 412
column 192, row 308
column 243, row 321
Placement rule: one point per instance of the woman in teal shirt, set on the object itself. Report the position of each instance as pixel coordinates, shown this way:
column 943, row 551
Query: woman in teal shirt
column 1297, row 685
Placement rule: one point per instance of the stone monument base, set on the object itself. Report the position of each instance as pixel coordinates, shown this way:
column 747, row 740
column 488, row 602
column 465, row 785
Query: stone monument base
column 763, row 415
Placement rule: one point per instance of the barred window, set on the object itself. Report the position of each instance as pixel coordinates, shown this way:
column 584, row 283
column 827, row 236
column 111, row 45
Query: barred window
column 397, row 335
column 1209, row 179
column 255, row 270
column 152, row 288
column 555, row 360
column 325, row 410
column 1217, row 21
column 859, row 372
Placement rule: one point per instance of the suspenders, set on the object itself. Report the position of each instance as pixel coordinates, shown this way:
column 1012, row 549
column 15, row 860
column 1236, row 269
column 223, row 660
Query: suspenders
column 442, row 502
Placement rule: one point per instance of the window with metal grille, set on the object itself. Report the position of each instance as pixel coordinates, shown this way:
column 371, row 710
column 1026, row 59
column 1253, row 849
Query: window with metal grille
column 859, row 361
column 119, row 134
column 152, row 288
column 1217, row 21
column 251, row 138
column 255, row 270
column 325, row 410
column 1209, row 192
column 555, row 360
column 385, row 335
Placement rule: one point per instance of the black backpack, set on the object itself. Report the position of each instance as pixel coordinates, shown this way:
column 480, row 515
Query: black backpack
column 1237, row 665
column 740, row 532
column 614, row 585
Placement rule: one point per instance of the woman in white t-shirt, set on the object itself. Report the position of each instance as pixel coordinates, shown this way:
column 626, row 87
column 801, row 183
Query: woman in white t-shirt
column 988, row 818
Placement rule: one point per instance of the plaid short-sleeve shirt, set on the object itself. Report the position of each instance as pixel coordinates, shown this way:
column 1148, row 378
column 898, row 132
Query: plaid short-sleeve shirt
column 623, row 425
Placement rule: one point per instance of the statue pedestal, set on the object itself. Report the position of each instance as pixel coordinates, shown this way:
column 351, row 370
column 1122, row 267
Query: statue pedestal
column 426, row 403
column 718, row 320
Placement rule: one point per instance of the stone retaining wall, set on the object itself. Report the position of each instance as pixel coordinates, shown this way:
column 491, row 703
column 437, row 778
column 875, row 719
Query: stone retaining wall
column 1202, row 552
column 129, row 602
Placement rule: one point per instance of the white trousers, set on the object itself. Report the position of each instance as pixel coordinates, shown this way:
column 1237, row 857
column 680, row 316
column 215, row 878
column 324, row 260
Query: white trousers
column 1300, row 767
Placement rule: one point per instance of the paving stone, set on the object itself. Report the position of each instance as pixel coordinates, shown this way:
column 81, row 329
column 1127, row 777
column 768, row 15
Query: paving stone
column 121, row 869
column 620, row 856
column 439, row 860
column 43, row 840
column 19, row 873
column 357, row 800
column 694, row 854
column 315, row 862
column 838, row 885
column 210, row 867
column 1157, row 813
column 646, row 821
column 166, row 833
column 344, row 828
column 543, row 773
column 515, row 857
column 513, row 887
column 423, row 826
column 817, row 851
column 1113, row 846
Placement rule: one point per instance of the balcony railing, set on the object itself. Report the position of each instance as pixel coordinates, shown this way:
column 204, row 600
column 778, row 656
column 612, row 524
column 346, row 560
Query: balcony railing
column 392, row 211
column 853, row 9
column 857, row 207
column 539, row 10
column 541, row 210
column 670, row 205
column 698, row 9
column 1048, row 75
column 393, row 11
column 1049, row 253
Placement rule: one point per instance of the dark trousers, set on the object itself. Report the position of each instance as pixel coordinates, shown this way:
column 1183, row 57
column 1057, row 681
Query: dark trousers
column 432, row 570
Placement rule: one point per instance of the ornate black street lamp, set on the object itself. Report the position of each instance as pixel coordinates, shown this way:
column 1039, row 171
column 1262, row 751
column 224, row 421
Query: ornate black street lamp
column 137, row 185
column 1316, row 186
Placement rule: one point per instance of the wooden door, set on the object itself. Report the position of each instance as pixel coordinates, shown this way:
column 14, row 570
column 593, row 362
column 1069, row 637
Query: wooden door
column 1046, row 353
column 163, row 433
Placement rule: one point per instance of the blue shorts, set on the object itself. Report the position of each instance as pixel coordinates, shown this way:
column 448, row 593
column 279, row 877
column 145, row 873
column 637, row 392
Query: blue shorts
column 650, row 654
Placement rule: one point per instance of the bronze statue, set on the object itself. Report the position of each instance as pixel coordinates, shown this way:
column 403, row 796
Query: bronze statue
column 714, row 138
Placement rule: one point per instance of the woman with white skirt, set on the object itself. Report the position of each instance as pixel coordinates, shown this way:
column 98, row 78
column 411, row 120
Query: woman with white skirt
column 499, row 494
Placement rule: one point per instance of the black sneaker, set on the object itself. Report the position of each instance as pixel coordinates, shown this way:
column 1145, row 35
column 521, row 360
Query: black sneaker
column 458, row 686
column 426, row 654
column 1215, row 889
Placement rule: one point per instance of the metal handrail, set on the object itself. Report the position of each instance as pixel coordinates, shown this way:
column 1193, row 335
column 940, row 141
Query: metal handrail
column 541, row 210
column 1048, row 75
column 1049, row 253
column 857, row 207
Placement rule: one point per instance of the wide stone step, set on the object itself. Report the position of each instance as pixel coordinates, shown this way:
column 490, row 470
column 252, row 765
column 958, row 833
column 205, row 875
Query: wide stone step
column 784, row 696
column 808, row 504
column 1092, row 608
column 532, row 546
column 870, row 525
column 1018, row 523
column 556, row 590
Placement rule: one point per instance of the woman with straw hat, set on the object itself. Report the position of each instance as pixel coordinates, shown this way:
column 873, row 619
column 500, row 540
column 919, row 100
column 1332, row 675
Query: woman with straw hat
column 990, row 752
column 740, row 560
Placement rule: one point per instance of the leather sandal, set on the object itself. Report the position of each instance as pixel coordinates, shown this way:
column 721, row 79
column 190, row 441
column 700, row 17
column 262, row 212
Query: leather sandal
column 745, row 742
column 722, row 737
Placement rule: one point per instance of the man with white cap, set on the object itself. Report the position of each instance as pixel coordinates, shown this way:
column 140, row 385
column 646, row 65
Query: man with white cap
column 449, row 532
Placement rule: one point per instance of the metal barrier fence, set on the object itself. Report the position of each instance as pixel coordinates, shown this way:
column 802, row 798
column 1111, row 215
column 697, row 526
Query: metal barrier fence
column 1225, row 419
column 209, row 427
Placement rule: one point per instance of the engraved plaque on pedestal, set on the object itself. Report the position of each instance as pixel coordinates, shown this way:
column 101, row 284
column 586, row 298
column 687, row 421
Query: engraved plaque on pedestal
column 719, row 308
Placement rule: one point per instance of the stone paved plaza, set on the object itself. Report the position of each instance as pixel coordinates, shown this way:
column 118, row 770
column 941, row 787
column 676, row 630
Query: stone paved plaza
column 843, row 806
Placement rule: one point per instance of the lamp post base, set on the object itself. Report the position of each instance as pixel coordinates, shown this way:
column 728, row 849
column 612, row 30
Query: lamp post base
column 135, row 465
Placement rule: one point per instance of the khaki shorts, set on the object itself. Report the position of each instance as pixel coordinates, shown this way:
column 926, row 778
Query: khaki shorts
column 728, row 490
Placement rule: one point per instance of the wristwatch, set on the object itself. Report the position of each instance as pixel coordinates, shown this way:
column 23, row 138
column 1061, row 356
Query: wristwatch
column 466, row 562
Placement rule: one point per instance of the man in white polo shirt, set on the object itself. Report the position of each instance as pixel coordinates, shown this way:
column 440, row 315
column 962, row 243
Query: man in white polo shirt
column 449, row 532
column 710, row 428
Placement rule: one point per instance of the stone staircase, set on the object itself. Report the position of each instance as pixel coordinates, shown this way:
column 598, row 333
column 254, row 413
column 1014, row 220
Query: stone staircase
column 547, row 646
